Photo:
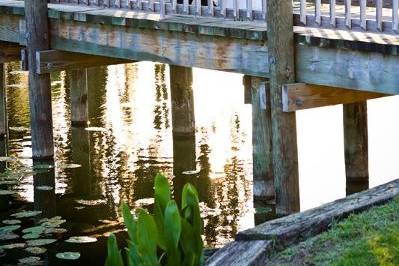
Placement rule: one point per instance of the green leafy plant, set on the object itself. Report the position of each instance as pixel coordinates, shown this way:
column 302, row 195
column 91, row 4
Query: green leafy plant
column 170, row 236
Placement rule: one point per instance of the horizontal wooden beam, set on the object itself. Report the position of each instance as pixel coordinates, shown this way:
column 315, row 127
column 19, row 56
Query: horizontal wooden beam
column 9, row 52
column 53, row 60
column 299, row 96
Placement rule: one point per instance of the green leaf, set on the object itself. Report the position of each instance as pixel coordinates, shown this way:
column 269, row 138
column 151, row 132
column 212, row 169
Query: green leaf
column 162, row 191
column 147, row 238
column 114, row 257
column 130, row 223
column 172, row 224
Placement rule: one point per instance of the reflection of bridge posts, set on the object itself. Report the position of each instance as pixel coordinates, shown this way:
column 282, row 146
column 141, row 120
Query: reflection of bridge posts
column 81, row 176
column 183, row 121
column 3, row 116
column 356, row 147
column 263, row 187
column 44, row 190
column 79, row 97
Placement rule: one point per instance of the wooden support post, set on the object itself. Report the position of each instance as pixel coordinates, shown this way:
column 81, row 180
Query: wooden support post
column 183, row 123
column 79, row 97
column 3, row 104
column 299, row 96
column 263, row 185
column 39, row 85
column 356, row 146
column 284, row 142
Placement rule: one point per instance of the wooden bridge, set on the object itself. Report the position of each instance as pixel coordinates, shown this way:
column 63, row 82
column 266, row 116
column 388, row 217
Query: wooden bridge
column 295, row 55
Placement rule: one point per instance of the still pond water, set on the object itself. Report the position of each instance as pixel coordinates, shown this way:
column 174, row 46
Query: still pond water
column 130, row 139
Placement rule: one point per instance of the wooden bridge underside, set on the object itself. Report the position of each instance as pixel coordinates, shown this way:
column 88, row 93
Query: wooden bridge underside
column 338, row 58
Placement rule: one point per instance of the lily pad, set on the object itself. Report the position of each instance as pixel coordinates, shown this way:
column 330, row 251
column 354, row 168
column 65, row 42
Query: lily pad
column 44, row 188
column 30, row 261
column 6, row 192
column 35, row 229
column 68, row 255
column 8, row 182
column 91, row 202
column 36, row 250
column 11, row 246
column 9, row 228
column 97, row 129
column 40, row 242
column 13, row 221
column 7, row 159
column 55, row 231
column 81, row 239
column 8, row 236
column 26, row 214
column 31, row 236
column 68, row 165
column 43, row 166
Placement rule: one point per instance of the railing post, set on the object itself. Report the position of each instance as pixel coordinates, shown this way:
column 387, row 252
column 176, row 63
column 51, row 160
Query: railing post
column 356, row 146
column 37, row 34
column 282, row 71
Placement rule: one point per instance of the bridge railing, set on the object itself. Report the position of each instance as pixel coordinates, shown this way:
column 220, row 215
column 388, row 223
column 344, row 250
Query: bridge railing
column 360, row 15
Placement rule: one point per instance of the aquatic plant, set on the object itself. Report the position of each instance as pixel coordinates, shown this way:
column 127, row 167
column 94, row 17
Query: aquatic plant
column 170, row 236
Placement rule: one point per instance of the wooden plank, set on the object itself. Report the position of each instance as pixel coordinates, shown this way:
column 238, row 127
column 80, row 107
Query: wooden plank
column 299, row 96
column 9, row 52
column 53, row 60
column 79, row 97
column 368, row 71
column 356, row 143
column 3, row 104
column 282, row 71
column 39, row 85
column 297, row 227
column 241, row 253
column 263, row 183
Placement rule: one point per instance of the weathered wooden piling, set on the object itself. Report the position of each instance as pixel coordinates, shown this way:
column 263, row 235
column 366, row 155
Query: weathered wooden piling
column 356, row 146
column 183, row 123
column 259, row 96
column 79, row 97
column 3, row 103
column 284, row 142
column 37, row 35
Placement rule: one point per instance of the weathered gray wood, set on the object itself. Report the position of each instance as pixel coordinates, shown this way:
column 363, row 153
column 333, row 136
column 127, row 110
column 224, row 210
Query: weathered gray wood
column 9, row 52
column 39, row 85
column 183, row 117
column 241, row 253
column 3, row 104
column 299, row 96
column 53, row 60
column 183, row 126
column 297, row 227
column 79, row 97
column 356, row 142
column 263, row 185
column 282, row 71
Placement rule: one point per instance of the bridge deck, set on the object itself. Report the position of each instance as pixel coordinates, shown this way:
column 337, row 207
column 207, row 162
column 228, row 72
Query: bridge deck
column 333, row 57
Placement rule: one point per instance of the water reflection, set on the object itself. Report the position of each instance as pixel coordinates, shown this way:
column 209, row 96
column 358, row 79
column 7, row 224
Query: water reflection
column 132, row 136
